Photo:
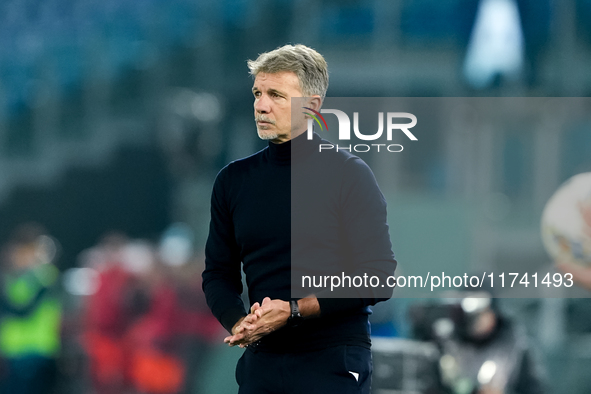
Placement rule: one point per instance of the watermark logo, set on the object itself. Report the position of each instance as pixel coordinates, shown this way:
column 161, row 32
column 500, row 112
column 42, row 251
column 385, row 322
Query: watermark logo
column 392, row 126
column 315, row 116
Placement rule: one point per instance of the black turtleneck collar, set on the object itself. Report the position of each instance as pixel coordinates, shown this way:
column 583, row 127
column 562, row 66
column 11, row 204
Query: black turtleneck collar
column 282, row 153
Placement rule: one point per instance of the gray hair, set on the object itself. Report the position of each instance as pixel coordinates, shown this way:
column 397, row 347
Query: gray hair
column 309, row 66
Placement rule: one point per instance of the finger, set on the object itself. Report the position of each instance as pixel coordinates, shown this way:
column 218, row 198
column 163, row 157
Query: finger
column 231, row 338
column 235, row 338
column 266, row 308
column 266, row 300
column 242, row 343
column 254, row 307
column 248, row 341
column 251, row 318
column 229, row 341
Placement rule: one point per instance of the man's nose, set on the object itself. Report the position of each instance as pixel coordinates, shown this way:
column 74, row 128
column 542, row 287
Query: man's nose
column 262, row 105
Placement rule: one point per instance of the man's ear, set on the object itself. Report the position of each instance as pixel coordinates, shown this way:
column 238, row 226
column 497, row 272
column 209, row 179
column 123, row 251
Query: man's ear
column 315, row 102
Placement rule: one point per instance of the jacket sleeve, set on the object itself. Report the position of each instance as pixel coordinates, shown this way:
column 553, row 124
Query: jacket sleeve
column 222, row 279
column 364, row 228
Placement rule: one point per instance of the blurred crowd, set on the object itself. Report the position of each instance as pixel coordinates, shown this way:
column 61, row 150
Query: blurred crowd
column 131, row 318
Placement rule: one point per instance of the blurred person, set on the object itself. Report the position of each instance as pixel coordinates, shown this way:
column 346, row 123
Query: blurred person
column 156, row 362
column 196, row 329
column 147, row 326
column 31, row 313
column 169, row 343
column 155, row 366
column 482, row 351
column 313, row 344
column 109, row 313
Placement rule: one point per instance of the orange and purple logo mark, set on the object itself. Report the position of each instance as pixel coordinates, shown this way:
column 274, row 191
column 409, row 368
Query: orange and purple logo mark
column 315, row 115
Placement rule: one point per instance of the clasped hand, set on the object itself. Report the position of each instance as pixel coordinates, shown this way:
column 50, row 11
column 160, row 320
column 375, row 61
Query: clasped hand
column 263, row 319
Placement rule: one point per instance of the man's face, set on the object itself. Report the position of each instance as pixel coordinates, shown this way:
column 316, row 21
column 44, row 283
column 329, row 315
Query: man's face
column 272, row 105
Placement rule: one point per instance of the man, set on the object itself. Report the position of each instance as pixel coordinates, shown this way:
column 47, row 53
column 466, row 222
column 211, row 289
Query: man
column 286, row 210
column 484, row 351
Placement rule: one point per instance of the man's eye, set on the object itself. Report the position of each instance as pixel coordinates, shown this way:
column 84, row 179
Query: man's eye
column 257, row 94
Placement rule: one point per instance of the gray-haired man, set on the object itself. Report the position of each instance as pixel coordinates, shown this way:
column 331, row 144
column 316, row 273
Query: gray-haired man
column 313, row 344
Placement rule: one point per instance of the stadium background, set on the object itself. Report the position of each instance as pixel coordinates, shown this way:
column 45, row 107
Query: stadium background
column 116, row 115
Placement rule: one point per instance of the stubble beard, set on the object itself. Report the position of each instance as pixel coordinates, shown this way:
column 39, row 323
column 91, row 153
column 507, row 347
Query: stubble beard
column 263, row 131
column 267, row 135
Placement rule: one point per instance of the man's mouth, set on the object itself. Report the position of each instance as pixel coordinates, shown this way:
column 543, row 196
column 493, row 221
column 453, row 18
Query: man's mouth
column 264, row 121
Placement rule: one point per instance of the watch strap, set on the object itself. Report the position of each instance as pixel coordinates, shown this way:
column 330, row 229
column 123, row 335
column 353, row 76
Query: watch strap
column 296, row 317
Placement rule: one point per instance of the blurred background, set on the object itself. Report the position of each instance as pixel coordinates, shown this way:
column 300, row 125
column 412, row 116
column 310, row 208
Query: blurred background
column 115, row 117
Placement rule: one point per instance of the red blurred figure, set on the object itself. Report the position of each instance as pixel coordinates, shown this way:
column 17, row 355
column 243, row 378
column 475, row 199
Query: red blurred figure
column 172, row 340
column 148, row 326
column 109, row 316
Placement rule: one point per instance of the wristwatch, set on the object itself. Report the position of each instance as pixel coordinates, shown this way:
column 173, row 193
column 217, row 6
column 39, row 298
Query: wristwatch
column 296, row 317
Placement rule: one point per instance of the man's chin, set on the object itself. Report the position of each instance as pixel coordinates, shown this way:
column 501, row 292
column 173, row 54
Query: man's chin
column 267, row 135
